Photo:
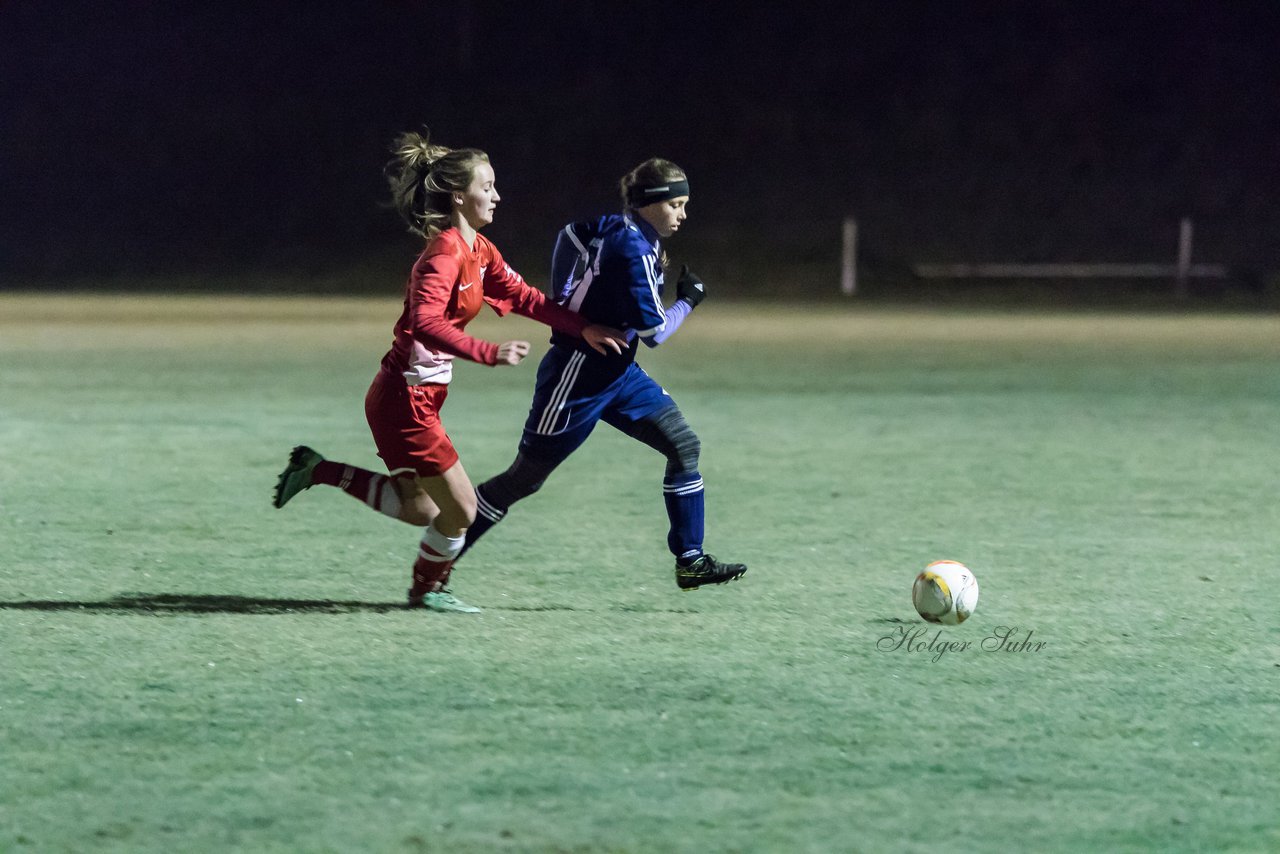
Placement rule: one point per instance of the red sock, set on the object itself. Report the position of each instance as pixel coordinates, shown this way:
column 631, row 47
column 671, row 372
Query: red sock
column 376, row 490
column 435, row 561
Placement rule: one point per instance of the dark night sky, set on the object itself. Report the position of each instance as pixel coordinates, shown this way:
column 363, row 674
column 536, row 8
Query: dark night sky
column 142, row 137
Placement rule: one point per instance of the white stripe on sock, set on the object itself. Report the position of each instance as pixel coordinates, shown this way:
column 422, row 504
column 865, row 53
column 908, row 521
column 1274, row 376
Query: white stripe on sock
column 683, row 489
column 443, row 547
column 487, row 510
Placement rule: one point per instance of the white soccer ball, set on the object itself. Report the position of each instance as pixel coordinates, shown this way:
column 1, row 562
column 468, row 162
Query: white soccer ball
column 945, row 592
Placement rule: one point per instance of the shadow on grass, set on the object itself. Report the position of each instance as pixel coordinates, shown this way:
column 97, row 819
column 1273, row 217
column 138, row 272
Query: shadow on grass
column 185, row 603
column 188, row 603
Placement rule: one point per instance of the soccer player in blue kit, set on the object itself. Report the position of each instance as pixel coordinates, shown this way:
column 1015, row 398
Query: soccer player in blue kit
column 610, row 271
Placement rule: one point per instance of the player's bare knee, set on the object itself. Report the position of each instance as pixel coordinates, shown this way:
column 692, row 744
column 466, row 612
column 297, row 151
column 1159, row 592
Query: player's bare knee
column 468, row 510
column 454, row 521
column 416, row 516
column 462, row 513
column 416, row 506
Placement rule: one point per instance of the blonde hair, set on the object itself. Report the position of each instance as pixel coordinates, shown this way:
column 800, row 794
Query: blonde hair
column 650, row 173
column 424, row 176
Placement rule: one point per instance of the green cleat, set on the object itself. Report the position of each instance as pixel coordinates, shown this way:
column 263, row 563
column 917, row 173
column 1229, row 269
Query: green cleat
column 297, row 475
column 442, row 601
column 707, row 570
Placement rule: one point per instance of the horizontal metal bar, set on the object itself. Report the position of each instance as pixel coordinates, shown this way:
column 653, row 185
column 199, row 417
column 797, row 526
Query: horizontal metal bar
column 1065, row 271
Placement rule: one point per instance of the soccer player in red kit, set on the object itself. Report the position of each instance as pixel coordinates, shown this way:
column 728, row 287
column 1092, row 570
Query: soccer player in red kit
column 446, row 196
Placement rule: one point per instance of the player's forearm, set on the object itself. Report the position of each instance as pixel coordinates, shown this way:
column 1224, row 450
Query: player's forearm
column 675, row 315
column 436, row 333
column 537, row 307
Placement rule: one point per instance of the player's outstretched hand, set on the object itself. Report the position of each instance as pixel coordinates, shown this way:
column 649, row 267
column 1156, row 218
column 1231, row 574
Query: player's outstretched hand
column 690, row 288
column 512, row 352
column 605, row 339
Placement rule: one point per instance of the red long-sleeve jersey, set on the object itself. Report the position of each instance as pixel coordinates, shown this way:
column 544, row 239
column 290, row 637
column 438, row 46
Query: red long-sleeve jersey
column 449, row 283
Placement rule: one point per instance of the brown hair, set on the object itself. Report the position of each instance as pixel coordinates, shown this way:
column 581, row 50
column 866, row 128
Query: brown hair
column 650, row 173
column 423, row 176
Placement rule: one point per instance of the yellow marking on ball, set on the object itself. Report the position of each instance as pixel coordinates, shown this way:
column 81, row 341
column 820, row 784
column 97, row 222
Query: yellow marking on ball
column 942, row 584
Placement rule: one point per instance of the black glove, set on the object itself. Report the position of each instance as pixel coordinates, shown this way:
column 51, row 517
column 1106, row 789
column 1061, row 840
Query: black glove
column 690, row 288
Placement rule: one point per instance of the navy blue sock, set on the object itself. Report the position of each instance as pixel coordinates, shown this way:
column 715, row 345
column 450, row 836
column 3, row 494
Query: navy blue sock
column 683, row 495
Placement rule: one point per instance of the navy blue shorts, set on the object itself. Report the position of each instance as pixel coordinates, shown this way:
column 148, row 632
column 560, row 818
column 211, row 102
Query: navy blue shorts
column 573, row 395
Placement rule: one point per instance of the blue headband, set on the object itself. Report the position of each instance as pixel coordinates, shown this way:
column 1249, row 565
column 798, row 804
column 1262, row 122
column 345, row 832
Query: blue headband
column 638, row 197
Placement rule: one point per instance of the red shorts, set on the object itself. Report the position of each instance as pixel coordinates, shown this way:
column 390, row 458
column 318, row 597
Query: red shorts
column 405, row 421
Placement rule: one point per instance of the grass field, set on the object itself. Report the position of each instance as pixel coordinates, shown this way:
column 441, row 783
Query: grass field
column 186, row 668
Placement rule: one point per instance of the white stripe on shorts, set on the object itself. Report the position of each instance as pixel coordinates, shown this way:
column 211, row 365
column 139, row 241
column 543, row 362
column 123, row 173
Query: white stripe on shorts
column 550, row 415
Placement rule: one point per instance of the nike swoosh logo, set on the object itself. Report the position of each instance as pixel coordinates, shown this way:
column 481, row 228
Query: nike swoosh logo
column 464, row 287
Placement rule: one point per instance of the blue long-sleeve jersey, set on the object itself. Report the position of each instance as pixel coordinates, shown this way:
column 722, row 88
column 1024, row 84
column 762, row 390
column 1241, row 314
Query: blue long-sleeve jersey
column 609, row 270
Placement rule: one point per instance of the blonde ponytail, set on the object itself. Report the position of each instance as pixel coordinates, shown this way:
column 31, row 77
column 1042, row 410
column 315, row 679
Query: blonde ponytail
column 423, row 176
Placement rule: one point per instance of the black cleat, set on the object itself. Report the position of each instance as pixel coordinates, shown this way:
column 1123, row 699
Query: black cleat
column 707, row 570
column 297, row 475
